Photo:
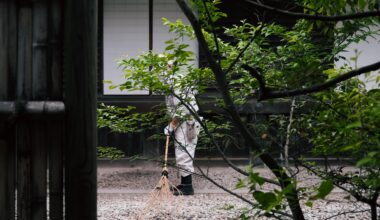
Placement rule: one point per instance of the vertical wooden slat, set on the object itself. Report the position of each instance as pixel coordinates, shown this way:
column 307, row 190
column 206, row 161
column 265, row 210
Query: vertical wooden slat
column 11, row 196
column 55, row 144
column 80, row 71
column 8, row 53
column 3, row 52
column 55, row 129
column 55, row 23
column 24, row 86
column 7, row 171
column 39, row 92
column 24, row 202
column 24, row 55
column 38, row 170
column 39, row 52
column 3, row 96
column 3, row 174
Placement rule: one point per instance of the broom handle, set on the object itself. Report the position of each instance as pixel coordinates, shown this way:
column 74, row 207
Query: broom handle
column 166, row 150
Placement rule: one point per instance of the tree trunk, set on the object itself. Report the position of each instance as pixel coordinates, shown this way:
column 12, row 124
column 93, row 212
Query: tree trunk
column 373, row 211
column 285, row 180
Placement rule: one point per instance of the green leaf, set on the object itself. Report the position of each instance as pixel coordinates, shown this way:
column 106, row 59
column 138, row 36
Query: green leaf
column 265, row 199
column 228, row 207
column 255, row 178
column 112, row 87
column 240, row 184
column 362, row 4
column 309, row 204
column 170, row 47
column 324, row 189
column 364, row 161
column 352, row 146
column 356, row 124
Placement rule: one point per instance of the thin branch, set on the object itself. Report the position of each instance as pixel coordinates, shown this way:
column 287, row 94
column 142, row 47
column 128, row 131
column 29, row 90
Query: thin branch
column 298, row 15
column 288, row 131
column 212, row 30
column 262, row 84
column 270, row 93
column 243, row 51
column 347, row 212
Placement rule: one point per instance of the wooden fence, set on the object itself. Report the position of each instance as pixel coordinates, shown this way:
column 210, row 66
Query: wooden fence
column 48, row 69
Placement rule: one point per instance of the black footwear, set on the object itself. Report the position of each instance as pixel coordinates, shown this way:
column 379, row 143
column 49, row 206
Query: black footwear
column 174, row 188
column 184, row 190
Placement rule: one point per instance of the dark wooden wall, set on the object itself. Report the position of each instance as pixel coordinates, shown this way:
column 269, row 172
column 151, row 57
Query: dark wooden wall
column 47, row 109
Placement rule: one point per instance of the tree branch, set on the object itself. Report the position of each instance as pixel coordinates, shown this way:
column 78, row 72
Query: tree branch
column 242, row 51
column 318, row 17
column 348, row 212
column 262, row 85
column 271, row 93
column 212, row 30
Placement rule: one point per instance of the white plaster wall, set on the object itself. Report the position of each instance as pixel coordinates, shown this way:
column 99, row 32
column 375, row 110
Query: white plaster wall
column 369, row 53
column 126, row 32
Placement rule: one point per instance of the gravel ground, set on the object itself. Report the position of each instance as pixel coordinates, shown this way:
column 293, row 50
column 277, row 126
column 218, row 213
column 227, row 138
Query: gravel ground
column 124, row 191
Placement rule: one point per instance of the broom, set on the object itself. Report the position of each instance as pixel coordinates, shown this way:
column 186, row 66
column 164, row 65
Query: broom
column 162, row 192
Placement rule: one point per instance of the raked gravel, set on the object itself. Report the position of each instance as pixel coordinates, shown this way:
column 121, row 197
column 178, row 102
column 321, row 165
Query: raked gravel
column 124, row 190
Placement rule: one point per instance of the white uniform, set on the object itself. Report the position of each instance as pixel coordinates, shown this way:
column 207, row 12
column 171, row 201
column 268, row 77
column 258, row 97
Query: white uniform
column 186, row 133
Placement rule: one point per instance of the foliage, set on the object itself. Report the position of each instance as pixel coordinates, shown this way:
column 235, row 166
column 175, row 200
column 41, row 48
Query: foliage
column 345, row 125
column 126, row 120
column 111, row 153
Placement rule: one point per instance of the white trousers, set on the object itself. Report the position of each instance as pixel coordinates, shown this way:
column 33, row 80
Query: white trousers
column 186, row 138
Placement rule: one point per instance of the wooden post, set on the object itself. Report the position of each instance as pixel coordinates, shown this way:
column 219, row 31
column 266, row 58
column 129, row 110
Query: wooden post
column 80, row 71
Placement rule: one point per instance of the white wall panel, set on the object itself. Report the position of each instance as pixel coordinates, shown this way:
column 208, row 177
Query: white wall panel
column 126, row 32
column 170, row 10
column 369, row 53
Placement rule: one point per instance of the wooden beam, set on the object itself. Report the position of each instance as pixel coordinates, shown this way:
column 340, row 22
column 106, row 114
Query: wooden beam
column 80, row 71
column 32, row 108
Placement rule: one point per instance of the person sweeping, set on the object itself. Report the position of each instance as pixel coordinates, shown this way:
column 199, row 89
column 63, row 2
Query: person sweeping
column 184, row 129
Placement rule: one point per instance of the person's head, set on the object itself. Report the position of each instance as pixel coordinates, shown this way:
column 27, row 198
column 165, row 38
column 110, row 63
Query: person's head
column 170, row 64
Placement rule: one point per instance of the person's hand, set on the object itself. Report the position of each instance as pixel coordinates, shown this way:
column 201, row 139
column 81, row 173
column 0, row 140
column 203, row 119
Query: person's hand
column 168, row 130
column 172, row 125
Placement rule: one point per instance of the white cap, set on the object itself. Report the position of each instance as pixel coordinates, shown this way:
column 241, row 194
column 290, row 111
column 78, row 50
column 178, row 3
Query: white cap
column 170, row 62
